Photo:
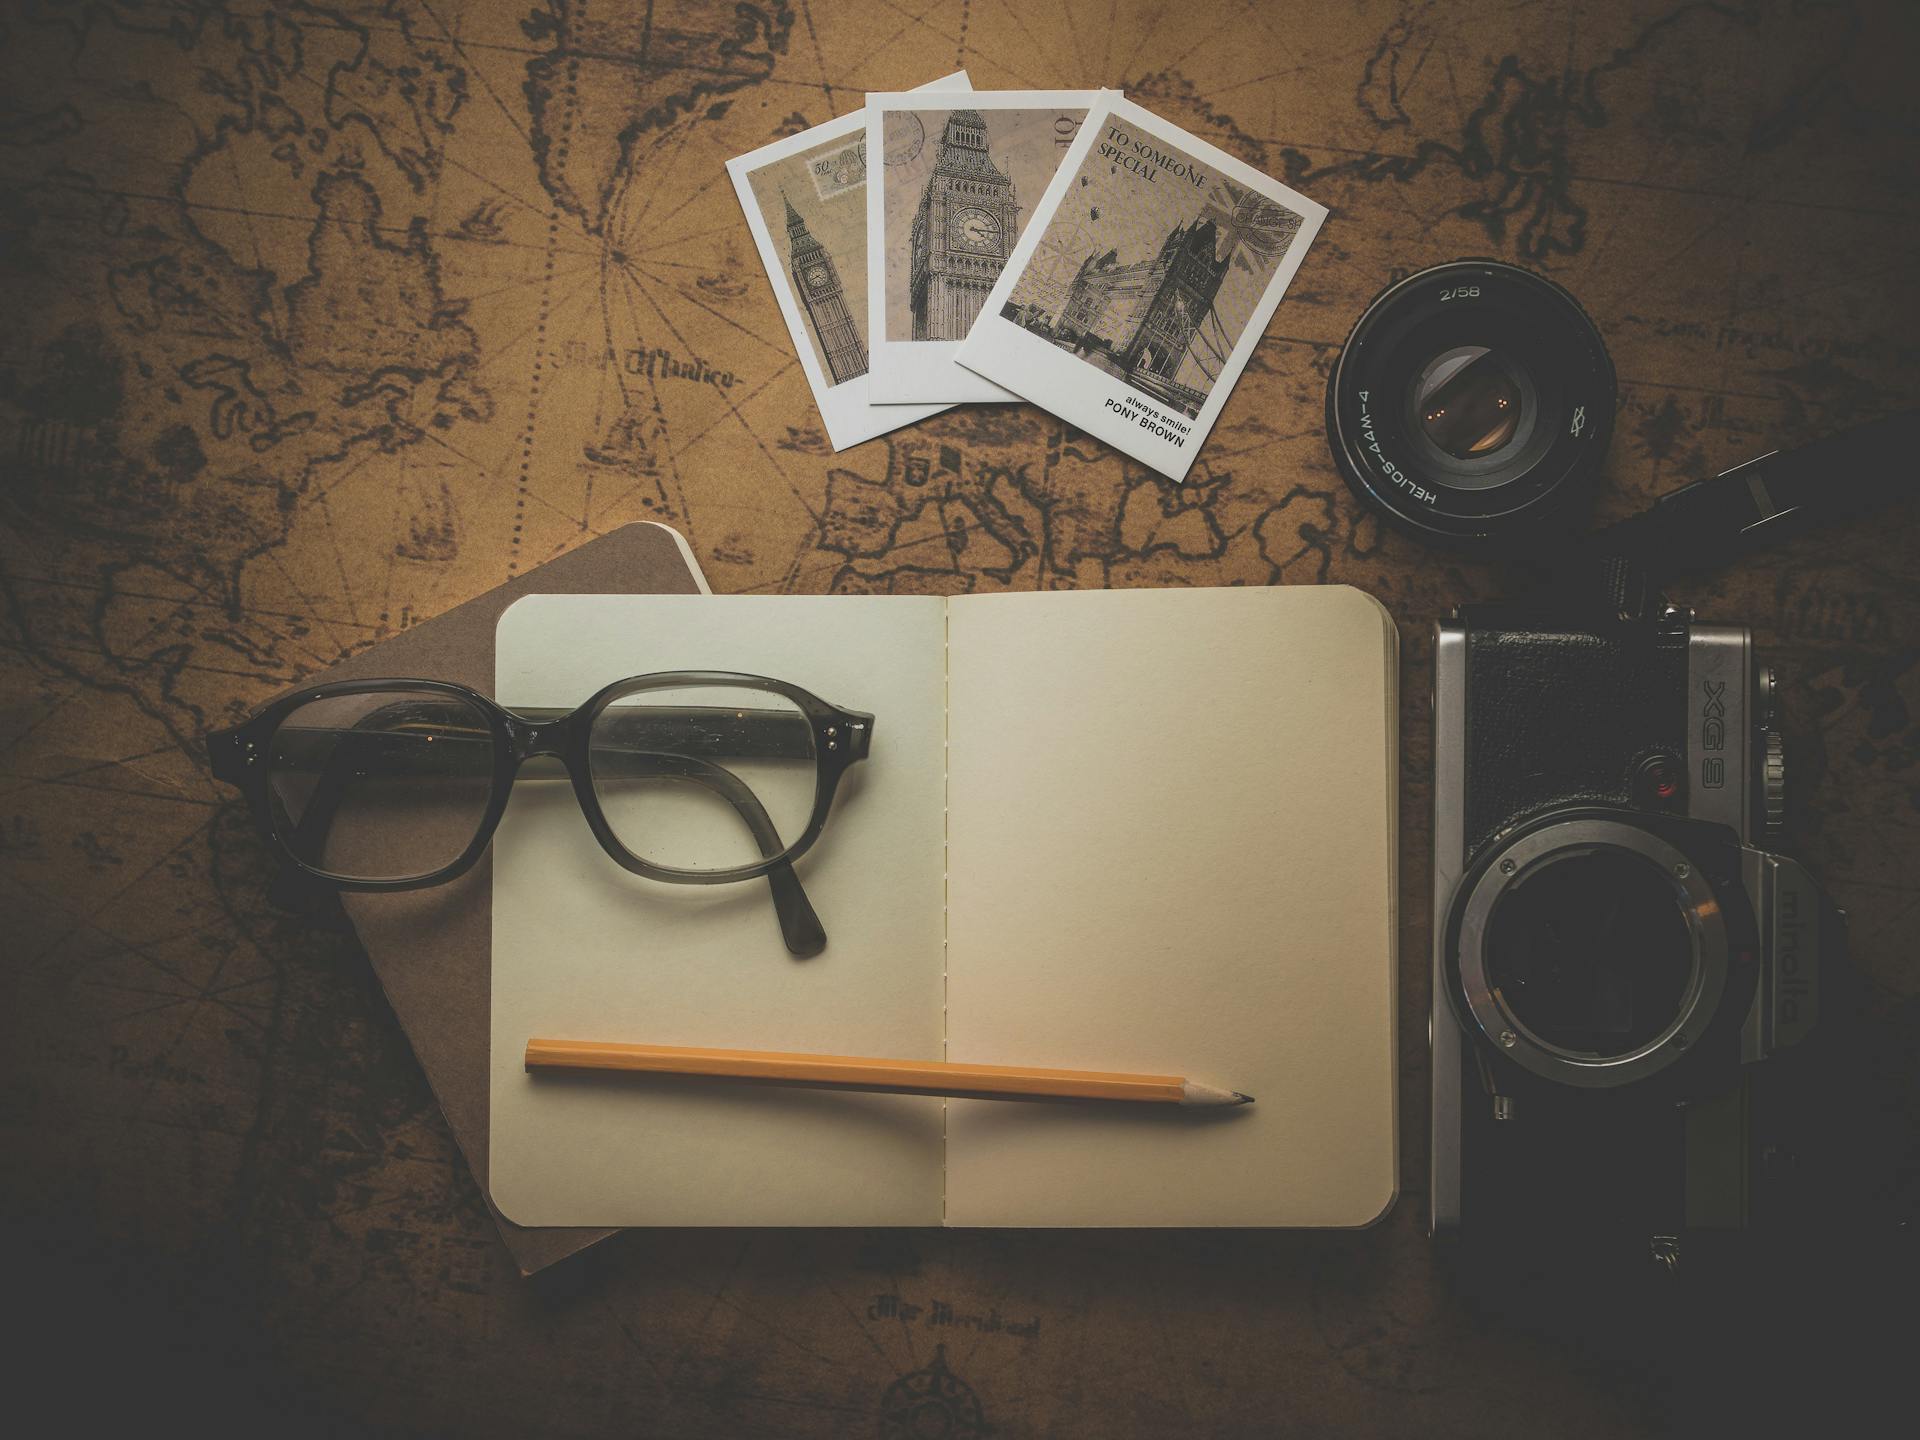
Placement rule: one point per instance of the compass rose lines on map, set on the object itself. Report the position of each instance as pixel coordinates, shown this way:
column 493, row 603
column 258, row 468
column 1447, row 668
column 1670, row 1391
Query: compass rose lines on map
column 881, row 1355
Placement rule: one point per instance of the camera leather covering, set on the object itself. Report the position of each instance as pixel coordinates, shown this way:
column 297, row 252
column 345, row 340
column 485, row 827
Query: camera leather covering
column 1597, row 701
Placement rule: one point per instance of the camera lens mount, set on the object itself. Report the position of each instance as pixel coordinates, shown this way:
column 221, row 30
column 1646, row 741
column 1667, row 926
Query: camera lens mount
column 1472, row 404
column 1591, row 951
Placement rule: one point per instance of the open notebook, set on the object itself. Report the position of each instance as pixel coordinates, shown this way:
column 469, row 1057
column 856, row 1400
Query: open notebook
column 1148, row 831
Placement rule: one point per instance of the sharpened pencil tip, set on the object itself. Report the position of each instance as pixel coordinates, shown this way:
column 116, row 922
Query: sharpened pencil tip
column 1240, row 1097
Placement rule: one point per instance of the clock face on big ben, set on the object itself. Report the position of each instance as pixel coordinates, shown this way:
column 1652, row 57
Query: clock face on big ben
column 817, row 277
column 976, row 230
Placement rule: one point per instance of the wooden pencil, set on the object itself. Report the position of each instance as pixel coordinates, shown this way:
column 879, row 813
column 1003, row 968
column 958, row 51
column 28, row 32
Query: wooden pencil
column 898, row 1077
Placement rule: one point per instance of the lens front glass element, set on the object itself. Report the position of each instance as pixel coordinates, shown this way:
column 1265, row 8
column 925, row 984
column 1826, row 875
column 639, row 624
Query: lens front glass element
column 705, row 777
column 1590, row 951
column 1468, row 401
column 386, row 785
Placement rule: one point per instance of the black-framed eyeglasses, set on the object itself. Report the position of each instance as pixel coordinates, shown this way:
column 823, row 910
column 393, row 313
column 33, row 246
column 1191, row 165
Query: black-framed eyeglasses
column 701, row 777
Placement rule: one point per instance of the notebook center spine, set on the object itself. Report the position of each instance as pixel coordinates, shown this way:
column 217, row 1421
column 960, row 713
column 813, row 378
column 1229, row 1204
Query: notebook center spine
column 946, row 854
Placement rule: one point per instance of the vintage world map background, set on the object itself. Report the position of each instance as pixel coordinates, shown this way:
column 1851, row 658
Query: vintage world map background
column 322, row 318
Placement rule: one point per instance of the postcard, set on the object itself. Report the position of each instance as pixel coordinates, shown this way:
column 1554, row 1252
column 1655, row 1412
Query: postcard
column 805, row 200
column 943, row 214
column 1143, row 283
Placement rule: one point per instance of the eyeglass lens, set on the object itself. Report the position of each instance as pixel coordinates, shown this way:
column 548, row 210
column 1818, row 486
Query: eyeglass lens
column 704, row 777
column 389, row 785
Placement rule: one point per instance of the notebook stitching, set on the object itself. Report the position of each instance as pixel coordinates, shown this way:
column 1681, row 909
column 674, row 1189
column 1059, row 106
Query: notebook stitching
column 946, row 830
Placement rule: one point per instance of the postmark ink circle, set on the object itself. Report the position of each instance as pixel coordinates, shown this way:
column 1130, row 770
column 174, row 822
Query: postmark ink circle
column 906, row 136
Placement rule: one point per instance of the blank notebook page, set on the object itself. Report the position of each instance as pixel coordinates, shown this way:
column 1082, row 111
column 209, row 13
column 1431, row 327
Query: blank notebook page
column 1171, row 849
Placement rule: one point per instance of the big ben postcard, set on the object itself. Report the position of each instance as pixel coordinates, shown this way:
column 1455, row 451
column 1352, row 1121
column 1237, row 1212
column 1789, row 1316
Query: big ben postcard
column 1144, row 280
column 805, row 203
column 943, row 214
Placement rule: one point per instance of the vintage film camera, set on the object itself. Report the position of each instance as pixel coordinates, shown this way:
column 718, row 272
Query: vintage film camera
column 1620, row 955
column 1624, row 968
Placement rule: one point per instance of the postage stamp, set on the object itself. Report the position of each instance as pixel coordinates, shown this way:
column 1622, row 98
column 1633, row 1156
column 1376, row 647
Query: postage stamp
column 838, row 167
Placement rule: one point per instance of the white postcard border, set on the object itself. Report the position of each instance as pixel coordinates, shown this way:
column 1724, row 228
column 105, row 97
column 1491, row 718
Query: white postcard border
column 918, row 371
column 1002, row 351
column 847, row 409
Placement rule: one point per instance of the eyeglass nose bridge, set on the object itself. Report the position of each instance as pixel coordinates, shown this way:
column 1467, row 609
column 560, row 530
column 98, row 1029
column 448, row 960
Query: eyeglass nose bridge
column 540, row 737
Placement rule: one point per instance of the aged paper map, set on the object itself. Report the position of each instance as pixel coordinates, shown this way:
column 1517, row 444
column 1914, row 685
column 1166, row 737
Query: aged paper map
column 323, row 317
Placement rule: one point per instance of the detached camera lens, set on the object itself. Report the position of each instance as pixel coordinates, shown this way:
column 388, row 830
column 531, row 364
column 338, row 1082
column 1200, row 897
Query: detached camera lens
column 1473, row 404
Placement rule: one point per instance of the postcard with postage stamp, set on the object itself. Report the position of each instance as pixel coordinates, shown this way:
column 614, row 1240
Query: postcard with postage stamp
column 946, row 208
column 805, row 198
column 1144, row 280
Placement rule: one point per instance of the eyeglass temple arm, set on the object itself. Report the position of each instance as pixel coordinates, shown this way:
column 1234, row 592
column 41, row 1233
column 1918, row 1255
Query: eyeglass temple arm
column 800, row 924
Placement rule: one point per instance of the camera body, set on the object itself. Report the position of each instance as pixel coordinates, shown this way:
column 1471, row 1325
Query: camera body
column 1626, row 976
column 1620, row 959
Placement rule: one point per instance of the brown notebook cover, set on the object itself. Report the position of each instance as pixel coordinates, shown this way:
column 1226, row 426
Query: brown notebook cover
column 432, row 950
